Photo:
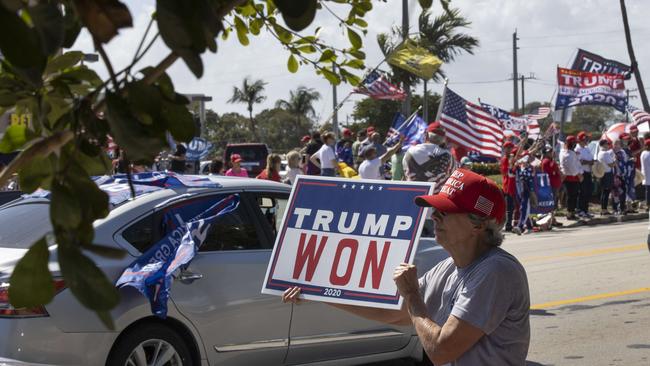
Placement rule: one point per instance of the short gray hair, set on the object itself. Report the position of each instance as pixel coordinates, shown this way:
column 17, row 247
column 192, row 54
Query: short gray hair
column 436, row 139
column 493, row 235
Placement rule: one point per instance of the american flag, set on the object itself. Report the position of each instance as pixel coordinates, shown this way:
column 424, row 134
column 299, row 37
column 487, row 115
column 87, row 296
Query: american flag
column 377, row 86
column 470, row 126
column 542, row 112
column 639, row 116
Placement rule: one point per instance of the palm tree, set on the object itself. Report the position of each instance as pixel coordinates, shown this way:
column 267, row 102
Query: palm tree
column 250, row 93
column 300, row 104
column 440, row 37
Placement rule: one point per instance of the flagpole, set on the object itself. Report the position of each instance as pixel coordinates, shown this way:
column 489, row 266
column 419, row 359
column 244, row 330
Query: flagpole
column 442, row 99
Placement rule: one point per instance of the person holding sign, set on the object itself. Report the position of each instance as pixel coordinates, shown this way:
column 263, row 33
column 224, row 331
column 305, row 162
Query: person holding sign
column 473, row 308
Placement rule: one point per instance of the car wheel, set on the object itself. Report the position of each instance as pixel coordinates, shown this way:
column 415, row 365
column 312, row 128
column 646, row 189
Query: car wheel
column 151, row 344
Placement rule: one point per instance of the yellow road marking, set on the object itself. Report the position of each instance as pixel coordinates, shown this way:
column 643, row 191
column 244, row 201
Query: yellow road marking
column 587, row 253
column 552, row 304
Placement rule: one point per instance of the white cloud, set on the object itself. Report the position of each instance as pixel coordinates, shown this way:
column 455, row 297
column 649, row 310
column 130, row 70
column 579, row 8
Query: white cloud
column 550, row 31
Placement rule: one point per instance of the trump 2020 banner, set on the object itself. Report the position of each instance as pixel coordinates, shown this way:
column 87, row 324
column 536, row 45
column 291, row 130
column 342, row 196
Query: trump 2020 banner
column 591, row 62
column 341, row 240
column 579, row 87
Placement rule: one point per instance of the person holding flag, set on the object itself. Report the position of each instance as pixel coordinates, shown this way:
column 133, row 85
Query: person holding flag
column 430, row 161
column 371, row 166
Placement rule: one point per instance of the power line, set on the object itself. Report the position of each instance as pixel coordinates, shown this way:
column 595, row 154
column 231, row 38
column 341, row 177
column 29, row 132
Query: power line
column 479, row 82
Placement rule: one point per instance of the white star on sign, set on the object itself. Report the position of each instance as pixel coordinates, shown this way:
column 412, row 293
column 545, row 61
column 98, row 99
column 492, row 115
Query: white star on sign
column 372, row 187
column 380, row 188
column 354, row 186
column 344, row 185
column 362, row 186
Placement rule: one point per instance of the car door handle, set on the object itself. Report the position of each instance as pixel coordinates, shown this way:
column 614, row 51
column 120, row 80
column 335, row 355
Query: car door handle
column 188, row 277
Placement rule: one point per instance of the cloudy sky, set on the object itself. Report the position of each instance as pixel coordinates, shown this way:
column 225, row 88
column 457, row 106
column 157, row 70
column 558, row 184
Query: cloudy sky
column 550, row 32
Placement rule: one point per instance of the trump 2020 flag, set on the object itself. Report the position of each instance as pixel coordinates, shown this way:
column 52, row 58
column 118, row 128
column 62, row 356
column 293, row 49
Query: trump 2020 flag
column 587, row 88
column 413, row 131
column 151, row 273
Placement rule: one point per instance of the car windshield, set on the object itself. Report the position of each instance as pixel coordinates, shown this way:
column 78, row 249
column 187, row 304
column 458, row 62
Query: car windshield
column 22, row 225
column 249, row 153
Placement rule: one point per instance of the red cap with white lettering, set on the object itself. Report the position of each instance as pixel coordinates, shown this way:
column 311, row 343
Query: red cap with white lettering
column 468, row 192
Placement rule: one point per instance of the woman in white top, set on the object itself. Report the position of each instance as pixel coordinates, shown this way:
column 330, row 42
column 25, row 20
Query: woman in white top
column 370, row 168
column 645, row 169
column 293, row 163
column 325, row 158
column 607, row 158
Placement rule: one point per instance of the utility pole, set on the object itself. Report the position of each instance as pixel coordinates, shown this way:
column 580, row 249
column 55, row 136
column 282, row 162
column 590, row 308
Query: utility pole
column 335, row 104
column 635, row 65
column 523, row 96
column 406, row 105
column 515, row 74
column 425, row 103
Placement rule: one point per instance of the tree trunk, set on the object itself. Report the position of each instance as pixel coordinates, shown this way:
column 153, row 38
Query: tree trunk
column 635, row 66
column 253, row 127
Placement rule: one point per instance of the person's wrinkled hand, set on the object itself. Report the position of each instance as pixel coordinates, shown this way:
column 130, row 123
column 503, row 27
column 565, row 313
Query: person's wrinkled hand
column 406, row 279
column 292, row 295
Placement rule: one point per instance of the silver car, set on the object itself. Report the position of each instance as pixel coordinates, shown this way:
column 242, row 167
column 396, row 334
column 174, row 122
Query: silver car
column 216, row 316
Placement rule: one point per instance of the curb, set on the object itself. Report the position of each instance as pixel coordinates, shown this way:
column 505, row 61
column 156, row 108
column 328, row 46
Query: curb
column 606, row 220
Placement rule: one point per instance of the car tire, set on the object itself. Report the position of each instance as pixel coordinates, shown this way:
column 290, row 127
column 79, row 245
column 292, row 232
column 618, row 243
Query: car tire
column 145, row 343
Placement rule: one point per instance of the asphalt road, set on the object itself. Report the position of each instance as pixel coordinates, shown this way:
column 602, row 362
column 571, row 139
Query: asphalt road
column 590, row 294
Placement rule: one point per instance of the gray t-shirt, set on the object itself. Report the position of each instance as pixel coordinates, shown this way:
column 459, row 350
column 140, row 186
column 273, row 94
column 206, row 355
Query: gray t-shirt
column 492, row 295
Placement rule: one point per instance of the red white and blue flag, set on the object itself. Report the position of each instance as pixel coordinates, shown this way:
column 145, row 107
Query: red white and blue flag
column 514, row 123
column 639, row 116
column 377, row 86
column 470, row 126
column 413, row 130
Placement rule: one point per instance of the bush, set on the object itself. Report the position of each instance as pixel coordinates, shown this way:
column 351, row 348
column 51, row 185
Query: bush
column 486, row 168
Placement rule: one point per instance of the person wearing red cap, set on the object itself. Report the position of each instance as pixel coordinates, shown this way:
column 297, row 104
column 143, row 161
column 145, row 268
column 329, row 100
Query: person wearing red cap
column 550, row 167
column 586, row 186
column 236, row 170
column 472, row 308
column 645, row 169
column 636, row 145
column 508, row 182
column 343, row 148
column 430, row 161
column 572, row 170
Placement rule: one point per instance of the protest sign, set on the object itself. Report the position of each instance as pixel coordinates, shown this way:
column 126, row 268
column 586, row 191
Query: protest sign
column 544, row 192
column 198, row 149
column 341, row 239
column 591, row 62
column 582, row 88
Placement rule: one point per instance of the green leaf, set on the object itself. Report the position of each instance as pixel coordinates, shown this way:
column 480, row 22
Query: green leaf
column 360, row 22
column 426, row 4
column 103, row 18
column 292, row 64
column 64, row 61
column 31, row 282
column 298, row 15
column 355, row 39
column 327, row 56
column 48, row 22
column 193, row 62
column 331, row 76
column 32, row 175
column 71, row 25
column 141, row 142
column 284, row 35
column 65, row 209
column 145, row 100
column 164, row 83
column 14, row 138
column 19, row 43
column 178, row 119
column 98, row 164
column 242, row 31
column 358, row 54
column 95, row 201
column 87, row 282
column 355, row 64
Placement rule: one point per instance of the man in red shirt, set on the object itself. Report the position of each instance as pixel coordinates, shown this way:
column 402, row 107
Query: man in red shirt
column 551, row 167
column 635, row 145
column 509, row 183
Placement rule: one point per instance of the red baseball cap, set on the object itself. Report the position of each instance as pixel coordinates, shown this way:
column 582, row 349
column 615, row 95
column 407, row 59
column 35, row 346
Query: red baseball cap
column 508, row 144
column 370, row 129
column 468, row 192
column 646, row 142
column 347, row 132
column 634, row 128
column 582, row 135
column 305, row 138
column 624, row 136
column 235, row 158
column 570, row 139
column 436, row 127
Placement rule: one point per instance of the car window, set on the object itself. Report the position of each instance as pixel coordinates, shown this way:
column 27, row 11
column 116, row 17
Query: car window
column 249, row 153
column 272, row 206
column 141, row 234
column 234, row 231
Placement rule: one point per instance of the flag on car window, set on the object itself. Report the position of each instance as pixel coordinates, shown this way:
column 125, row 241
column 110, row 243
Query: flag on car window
column 151, row 273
